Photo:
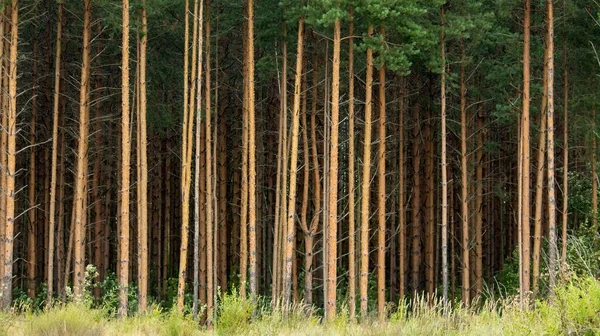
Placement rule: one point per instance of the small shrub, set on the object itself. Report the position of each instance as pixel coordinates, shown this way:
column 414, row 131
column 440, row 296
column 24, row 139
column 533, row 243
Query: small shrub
column 234, row 314
column 72, row 319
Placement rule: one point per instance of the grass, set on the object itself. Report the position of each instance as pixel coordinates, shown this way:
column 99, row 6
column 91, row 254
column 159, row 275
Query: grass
column 575, row 310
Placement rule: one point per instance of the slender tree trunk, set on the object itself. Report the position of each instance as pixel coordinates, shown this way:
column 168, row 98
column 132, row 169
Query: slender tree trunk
column 4, row 29
column 565, row 190
column 143, row 164
column 82, row 160
column 479, row 209
column 351, row 157
column 99, row 233
column 125, row 162
column 594, row 180
column 333, row 177
column 317, row 188
column 402, row 192
column 553, row 248
column 525, row 173
column 210, row 293
column 251, row 155
column 197, row 139
column 55, row 121
column 444, row 164
column 32, row 228
column 381, row 197
column 464, row 181
column 416, row 200
column 429, row 203
column 366, row 178
column 539, row 193
column 291, row 213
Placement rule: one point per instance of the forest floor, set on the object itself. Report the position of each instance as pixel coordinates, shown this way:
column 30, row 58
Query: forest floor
column 574, row 310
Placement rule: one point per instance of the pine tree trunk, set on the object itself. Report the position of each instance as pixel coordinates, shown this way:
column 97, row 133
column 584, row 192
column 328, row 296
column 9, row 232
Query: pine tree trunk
column 143, row 166
column 351, row 157
column 125, row 161
column 525, row 165
column 365, row 190
column 99, row 234
column 314, row 225
column 381, row 197
column 291, row 213
column 32, row 227
column 11, row 127
column 198, row 181
column 479, row 209
column 416, row 200
column 553, row 248
column 330, row 309
column 464, row 182
column 54, row 163
column 539, row 194
column 210, row 244
column 444, row 164
column 565, row 190
column 82, row 160
column 251, row 155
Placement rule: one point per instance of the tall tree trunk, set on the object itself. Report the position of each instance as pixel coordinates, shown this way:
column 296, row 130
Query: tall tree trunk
column 198, row 28
column 82, row 160
column 351, row 157
column 444, row 163
column 479, row 208
column 125, row 162
column 381, row 196
column 11, row 127
column 32, row 228
column 143, row 164
column 314, row 225
column 525, row 165
column 4, row 29
column 291, row 213
column 416, row 200
column 429, row 205
column 464, row 180
column 99, row 233
column 210, row 293
column 54, row 162
column 539, row 192
column 251, row 155
column 365, row 190
column 553, row 248
column 565, row 190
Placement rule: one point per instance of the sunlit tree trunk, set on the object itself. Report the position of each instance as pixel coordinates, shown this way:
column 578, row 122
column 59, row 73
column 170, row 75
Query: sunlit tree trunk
column 365, row 190
column 11, row 129
column 351, row 157
column 198, row 193
column 381, row 197
column 525, row 159
column 291, row 213
column 82, row 160
column 143, row 182
column 125, row 162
